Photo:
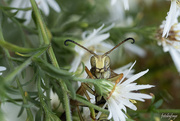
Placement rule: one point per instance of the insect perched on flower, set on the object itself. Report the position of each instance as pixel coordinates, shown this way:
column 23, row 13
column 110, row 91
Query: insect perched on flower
column 116, row 90
column 100, row 69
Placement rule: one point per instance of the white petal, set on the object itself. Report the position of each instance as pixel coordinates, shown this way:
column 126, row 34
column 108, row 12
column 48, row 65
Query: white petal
column 103, row 47
column 27, row 17
column 119, row 70
column 99, row 113
column 170, row 17
column 139, row 96
column 135, row 49
column 44, row 7
column 75, row 63
column 96, row 40
column 117, row 113
column 133, row 78
column 113, row 2
column 53, row 4
column 126, row 4
column 127, row 103
column 127, row 73
column 2, row 68
column 94, row 33
column 106, row 45
column 139, row 87
column 16, row 3
column 84, row 35
column 176, row 58
column 106, row 29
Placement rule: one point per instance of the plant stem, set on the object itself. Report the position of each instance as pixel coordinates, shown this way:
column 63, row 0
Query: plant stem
column 158, row 111
column 52, row 57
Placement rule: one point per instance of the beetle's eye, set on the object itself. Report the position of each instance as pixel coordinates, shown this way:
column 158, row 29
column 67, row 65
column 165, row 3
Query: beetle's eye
column 93, row 61
column 107, row 61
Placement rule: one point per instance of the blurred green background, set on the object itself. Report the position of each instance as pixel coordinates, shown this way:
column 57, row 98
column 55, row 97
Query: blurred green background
column 82, row 15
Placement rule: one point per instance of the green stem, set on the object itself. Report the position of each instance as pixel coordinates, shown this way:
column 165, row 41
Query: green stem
column 40, row 22
column 158, row 111
column 167, row 110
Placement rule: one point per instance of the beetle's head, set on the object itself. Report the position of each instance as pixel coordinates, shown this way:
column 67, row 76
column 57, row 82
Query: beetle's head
column 100, row 62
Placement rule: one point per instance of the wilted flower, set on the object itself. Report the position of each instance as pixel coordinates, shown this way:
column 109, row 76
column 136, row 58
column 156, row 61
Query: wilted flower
column 171, row 17
column 43, row 5
column 171, row 44
column 120, row 96
column 2, row 68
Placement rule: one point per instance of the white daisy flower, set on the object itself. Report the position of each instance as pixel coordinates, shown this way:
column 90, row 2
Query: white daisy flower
column 123, row 92
column 171, row 44
column 2, row 68
column 125, row 3
column 171, row 17
column 43, row 5
column 92, row 41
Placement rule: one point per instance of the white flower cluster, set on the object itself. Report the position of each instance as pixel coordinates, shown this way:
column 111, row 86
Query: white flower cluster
column 43, row 5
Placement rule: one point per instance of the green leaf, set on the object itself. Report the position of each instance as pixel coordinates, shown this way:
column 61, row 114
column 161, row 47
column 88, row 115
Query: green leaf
column 71, row 88
column 52, row 70
column 49, row 116
column 21, row 111
column 81, row 71
column 39, row 115
column 58, row 91
column 44, row 86
column 158, row 103
column 15, row 48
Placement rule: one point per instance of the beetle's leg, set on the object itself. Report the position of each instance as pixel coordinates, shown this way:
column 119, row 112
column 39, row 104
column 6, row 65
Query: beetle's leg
column 79, row 113
column 117, row 81
column 89, row 73
column 82, row 90
column 91, row 91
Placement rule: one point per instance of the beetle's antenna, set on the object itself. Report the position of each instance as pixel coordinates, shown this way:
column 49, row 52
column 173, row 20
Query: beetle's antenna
column 119, row 45
column 65, row 43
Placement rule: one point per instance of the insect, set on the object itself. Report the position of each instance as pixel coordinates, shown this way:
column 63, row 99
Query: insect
column 100, row 69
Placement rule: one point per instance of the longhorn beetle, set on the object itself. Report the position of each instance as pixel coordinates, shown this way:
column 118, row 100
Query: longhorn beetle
column 100, row 69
